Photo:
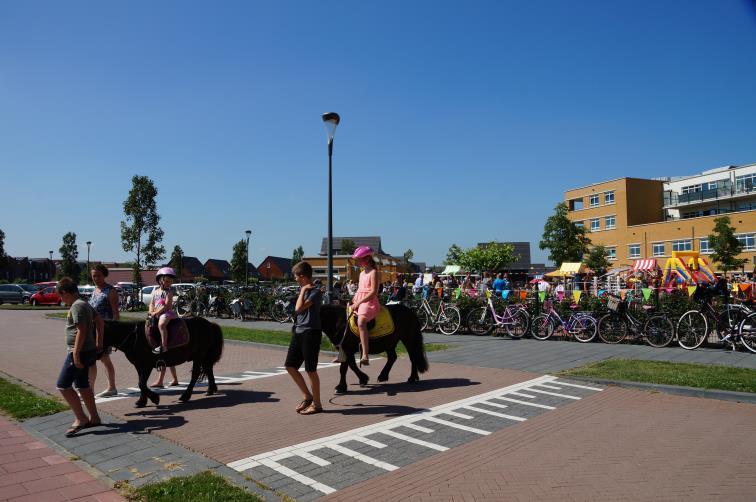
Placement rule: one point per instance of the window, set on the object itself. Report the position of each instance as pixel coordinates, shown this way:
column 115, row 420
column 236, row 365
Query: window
column 704, row 246
column 594, row 200
column 712, row 185
column 746, row 206
column 580, row 224
column 747, row 241
column 576, row 204
column 691, row 188
column 633, row 251
column 611, row 253
column 609, row 197
column 657, row 248
column 609, row 222
column 595, row 224
column 745, row 183
column 682, row 245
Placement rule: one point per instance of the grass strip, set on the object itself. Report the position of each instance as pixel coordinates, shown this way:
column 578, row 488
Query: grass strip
column 23, row 306
column 21, row 403
column 704, row 376
column 202, row 487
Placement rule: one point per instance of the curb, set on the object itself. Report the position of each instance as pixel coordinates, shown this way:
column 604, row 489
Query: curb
column 722, row 395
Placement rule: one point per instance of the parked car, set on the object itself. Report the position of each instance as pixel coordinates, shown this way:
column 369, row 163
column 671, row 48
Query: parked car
column 29, row 290
column 85, row 292
column 47, row 296
column 147, row 294
column 11, row 293
column 47, row 284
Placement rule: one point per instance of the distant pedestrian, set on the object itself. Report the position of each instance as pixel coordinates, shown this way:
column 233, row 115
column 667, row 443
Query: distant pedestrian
column 104, row 300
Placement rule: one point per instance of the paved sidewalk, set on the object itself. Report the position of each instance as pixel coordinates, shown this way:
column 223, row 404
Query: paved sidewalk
column 30, row 471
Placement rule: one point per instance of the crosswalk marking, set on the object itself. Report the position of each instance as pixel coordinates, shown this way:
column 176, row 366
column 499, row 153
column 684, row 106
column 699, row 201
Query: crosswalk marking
column 495, row 413
column 458, row 415
column 457, row 426
column 586, row 387
column 362, row 457
column 313, row 458
column 546, row 386
column 296, row 476
column 374, row 444
column 412, row 440
column 418, row 428
column 520, row 394
column 535, row 405
column 556, row 394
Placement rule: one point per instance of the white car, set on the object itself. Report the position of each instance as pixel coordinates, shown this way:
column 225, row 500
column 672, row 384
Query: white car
column 147, row 294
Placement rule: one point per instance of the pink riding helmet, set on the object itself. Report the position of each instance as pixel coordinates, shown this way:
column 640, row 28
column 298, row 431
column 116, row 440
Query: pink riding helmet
column 165, row 271
column 362, row 252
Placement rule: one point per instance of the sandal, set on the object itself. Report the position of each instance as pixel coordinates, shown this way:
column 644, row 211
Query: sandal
column 157, row 386
column 174, row 384
column 75, row 429
column 365, row 361
column 311, row 410
column 304, row 404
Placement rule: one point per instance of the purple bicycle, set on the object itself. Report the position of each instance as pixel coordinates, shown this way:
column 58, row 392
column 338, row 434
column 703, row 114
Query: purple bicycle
column 515, row 319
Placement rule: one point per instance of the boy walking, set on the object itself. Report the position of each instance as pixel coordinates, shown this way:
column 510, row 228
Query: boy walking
column 81, row 324
column 305, row 340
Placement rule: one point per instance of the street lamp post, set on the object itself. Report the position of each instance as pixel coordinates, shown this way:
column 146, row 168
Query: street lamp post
column 89, row 244
column 246, row 263
column 330, row 120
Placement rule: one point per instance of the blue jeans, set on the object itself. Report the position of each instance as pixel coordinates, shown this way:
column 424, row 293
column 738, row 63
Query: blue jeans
column 70, row 374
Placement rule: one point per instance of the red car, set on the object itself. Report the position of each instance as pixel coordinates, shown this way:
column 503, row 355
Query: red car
column 47, row 296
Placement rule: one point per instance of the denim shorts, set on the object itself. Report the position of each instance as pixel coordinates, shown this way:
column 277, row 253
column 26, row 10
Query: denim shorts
column 71, row 375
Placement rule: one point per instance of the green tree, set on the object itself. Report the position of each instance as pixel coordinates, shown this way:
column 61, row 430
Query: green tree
column 492, row 257
column 3, row 256
column 141, row 232
column 725, row 245
column 565, row 241
column 84, row 276
column 239, row 262
column 297, row 255
column 453, row 255
column 69, row 253
column 348, row 246
column 408, row 255
column 597, row 260
column 177, row 260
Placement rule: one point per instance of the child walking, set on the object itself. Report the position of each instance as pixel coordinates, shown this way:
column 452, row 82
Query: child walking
column 305, row 340
column 161, row 305
column 365, row 302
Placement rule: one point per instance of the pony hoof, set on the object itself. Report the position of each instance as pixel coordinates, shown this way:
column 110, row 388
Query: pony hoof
column 383, row 378
column 182, row 398
column 364, row 381
column 156, row 399
column 340, row 390
column 413, row 380
column 140, row 404
column 211, row 392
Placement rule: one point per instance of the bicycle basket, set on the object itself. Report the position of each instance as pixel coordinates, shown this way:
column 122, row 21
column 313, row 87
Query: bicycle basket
column 616, row 305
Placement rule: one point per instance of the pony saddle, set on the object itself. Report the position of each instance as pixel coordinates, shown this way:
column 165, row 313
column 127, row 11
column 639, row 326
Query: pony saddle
column 382, row 325
column 178, row 334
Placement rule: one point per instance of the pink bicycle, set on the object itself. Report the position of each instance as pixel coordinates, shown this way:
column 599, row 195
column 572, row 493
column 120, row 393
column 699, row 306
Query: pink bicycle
column 515, row 319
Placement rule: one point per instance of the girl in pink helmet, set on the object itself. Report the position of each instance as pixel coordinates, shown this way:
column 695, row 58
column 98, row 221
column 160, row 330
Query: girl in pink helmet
column 161, row 305
column 365, row 302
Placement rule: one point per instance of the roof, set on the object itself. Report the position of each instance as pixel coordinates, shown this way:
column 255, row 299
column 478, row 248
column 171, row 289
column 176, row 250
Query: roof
column 372, row 241
column 222, row 265
column 192, row 265
column 284, row 264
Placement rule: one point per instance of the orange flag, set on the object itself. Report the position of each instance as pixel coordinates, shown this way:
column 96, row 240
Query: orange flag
column 744, row 287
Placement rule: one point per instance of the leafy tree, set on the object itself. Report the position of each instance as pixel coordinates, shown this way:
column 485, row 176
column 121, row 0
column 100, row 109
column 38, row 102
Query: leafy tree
column 597, row 260
column 84, row 276
column 177, row 260
column 490, row 258
column 725, row 245
column 297, row 255
column 239, row 262
column 453, row 255
column 348, row 246
column 3, row 256
column 69, row 252
column 565, row 241
column 408, row 255
column 141, row 232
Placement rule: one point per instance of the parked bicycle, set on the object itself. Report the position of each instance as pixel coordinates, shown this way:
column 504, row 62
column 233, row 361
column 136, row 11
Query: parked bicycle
column 189, row 306
column 446, row 318
column 515, row 319
column 658, row 330
column 581, row 325
column 695, row 326
column 282, row 309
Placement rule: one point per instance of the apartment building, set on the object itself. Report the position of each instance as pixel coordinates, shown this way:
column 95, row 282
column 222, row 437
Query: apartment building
column 642, row 218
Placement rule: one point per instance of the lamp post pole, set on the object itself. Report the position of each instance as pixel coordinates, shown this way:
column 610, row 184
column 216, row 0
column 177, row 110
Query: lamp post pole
column 330, row 120
column 246, row 263
column 52, row 266
column 89, row 245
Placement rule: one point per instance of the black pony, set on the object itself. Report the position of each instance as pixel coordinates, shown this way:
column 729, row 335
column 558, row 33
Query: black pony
column 205, row 348
column 407, row 330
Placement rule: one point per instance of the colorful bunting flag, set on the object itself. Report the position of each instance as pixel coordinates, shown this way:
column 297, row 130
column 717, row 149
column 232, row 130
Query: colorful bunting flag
column 744, row 287
column 576, row 295
column 523, row 295
column 735, row 287
column 560, row 295
column 622, row 294
column 504, row 294
column 457, row 293
column 691, row 290
column 646, row 293
column 542, row 295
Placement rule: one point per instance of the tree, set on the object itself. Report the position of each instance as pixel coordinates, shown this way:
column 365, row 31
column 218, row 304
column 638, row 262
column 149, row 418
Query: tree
column 725, row 245
column 69, row 253
column 141, row 232
column 2, row 249
column 408, row 255
column 453, row 255
column 597, row 260
column 493, row 257
column 297, row 255
column 565, row 241
column 177, row 260
column 348, row 246
column 85, row 276
column 239, row 262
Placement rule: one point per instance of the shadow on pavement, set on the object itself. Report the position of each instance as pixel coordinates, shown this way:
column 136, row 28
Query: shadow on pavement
column 392, row 389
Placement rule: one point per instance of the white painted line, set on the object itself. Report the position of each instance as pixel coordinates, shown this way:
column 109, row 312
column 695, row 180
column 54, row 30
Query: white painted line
column 457, row 426
column 314, row 459
column 496, row 414
column 579, row 386
column 495, row 405
column 535, row 405
column 245, row 465
column 296, row 476
column 416, row 441
column 374, row 444
column 418, row 428
column 458, row 415
column 553, row 394
column 552, row 387
column 520, row 394
column 362, row 458
column 258, row 373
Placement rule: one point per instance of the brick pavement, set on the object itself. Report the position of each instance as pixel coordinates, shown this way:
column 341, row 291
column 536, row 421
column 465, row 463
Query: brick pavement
column 30, row 471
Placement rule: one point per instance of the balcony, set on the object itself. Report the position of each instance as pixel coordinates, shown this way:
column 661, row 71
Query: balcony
column 674, row 200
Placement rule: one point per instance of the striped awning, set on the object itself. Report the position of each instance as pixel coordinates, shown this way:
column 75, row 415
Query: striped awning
column 647, row 264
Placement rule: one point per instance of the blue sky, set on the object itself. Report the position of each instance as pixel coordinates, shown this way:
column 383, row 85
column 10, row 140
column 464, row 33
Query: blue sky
column 462, row 122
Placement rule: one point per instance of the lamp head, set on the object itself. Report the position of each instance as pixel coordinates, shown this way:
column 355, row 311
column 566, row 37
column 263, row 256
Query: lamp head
column 331, row 120
column 248, row 232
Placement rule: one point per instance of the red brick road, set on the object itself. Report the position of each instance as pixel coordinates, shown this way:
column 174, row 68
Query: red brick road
column 30, row 471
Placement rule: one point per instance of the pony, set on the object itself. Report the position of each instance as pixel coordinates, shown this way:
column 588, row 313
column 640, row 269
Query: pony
column 204, row 349
column 407, row 330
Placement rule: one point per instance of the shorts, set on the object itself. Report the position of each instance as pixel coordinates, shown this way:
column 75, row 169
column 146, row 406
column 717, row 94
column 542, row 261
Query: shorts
column 70, row 374
column 105, row 352
column 304, row 348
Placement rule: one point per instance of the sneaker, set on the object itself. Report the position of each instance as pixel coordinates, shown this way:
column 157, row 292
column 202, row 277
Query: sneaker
column 157, row 350
column 108, row 393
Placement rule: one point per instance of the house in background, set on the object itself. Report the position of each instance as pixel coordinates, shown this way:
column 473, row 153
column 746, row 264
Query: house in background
column 191, row 267
column 217, row 270
column 274, row 267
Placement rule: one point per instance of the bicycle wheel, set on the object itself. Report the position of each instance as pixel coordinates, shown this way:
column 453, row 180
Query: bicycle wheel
column 658, row 330
column 422, row 318
column 278, row 312
column 182, row 308
column 519, row 325
column 480, row 321
column 584, row 328
column 612, row 328
column 692, row 329
column 542, row 327
column 747, row 332
column 450, row 320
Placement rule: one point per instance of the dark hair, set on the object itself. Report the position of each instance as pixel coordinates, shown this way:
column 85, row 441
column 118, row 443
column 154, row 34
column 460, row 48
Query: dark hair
column 102, row 268
column 66, row 285
column 303, row 268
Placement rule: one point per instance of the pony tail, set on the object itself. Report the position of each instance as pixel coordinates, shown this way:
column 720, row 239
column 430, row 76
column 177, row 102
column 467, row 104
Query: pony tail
column 417, row 352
